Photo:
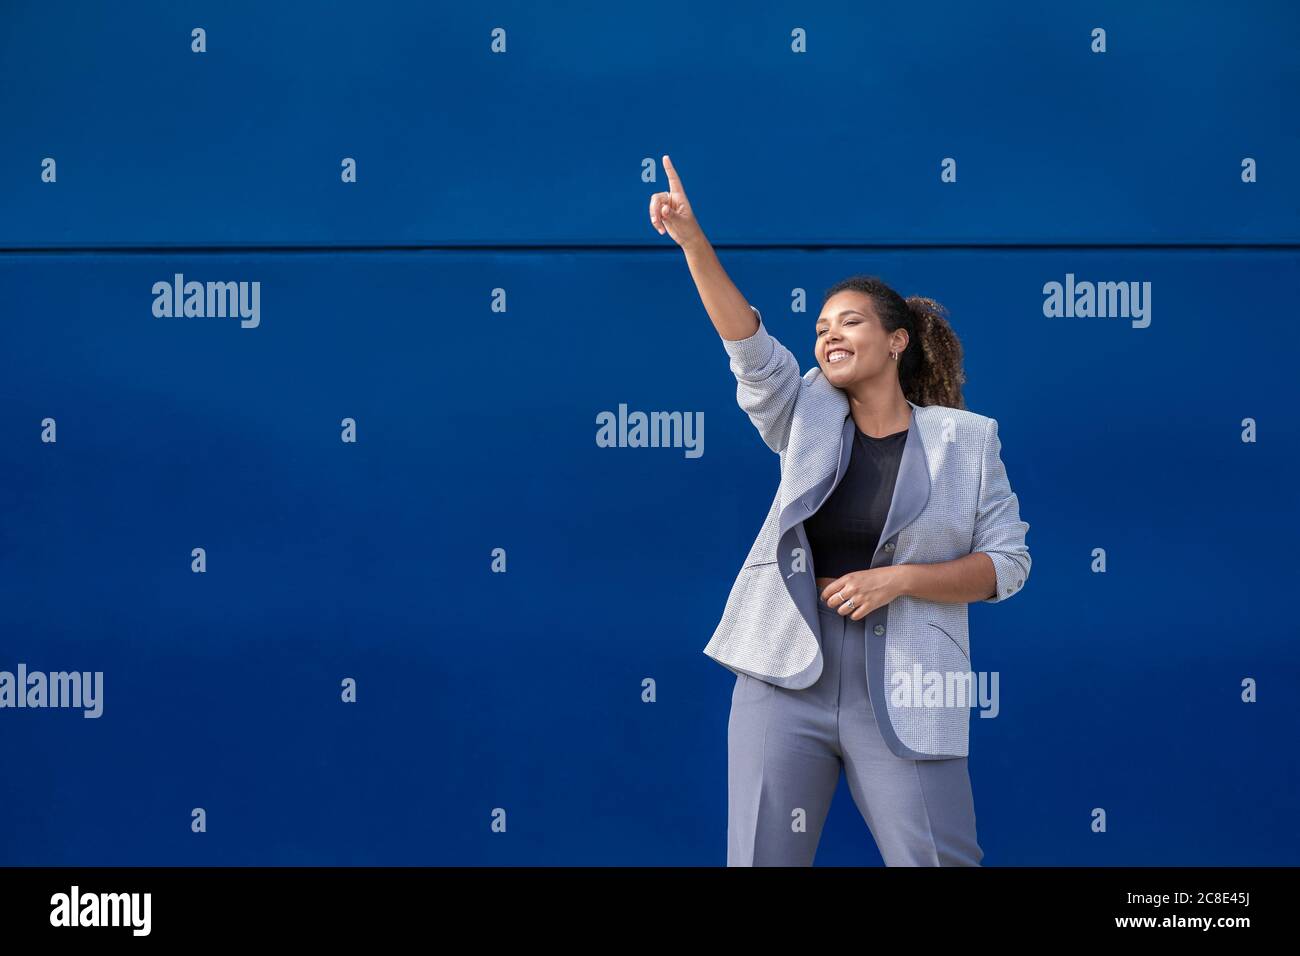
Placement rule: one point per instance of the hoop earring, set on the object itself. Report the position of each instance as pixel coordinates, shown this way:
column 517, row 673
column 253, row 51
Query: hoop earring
column 894, row 356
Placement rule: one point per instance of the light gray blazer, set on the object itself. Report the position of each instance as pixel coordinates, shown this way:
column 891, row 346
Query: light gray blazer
column 951, row 498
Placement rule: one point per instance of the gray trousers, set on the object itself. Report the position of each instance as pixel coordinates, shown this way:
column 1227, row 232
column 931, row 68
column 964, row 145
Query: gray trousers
column 784, row 752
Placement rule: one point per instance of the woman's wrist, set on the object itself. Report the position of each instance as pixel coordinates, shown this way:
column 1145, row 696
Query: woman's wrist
column 697, row 245
column 905, row 579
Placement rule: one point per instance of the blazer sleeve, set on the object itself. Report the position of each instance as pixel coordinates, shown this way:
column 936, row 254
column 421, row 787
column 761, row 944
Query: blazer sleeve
column 999, row 532
column 767, row 383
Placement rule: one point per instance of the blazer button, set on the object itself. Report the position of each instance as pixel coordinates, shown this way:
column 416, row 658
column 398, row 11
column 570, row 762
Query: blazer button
column 879, row 629
column 889, row 546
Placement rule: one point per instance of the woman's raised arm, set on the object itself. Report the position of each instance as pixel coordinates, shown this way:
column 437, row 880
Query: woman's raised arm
column 767, row 374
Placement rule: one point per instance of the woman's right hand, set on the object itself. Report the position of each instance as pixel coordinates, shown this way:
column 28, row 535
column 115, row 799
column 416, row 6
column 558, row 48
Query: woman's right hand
column 672, row 212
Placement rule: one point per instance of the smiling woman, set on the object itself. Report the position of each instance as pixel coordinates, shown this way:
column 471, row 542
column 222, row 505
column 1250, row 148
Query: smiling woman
column 893, row 512
column 864, row 325
column 884, row 352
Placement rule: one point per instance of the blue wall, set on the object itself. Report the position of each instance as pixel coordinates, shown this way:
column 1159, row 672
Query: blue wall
column 476, row 428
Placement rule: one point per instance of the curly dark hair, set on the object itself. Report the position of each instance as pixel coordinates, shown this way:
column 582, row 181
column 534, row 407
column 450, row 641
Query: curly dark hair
column 930, row 368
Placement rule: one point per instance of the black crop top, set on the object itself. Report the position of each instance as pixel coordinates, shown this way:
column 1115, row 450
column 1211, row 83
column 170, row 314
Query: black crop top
column 845, row 530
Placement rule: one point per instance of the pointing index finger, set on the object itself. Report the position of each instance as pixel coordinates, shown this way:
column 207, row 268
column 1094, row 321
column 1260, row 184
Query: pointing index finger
column 674, row 184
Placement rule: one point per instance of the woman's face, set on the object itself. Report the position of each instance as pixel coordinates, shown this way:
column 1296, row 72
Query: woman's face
column 852, row 346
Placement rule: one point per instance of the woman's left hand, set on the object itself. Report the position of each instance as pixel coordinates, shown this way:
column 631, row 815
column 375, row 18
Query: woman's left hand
column 868, row 590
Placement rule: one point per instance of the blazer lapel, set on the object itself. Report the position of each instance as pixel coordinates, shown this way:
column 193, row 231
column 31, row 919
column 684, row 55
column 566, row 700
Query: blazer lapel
column 911, row 488
column 828, row 473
